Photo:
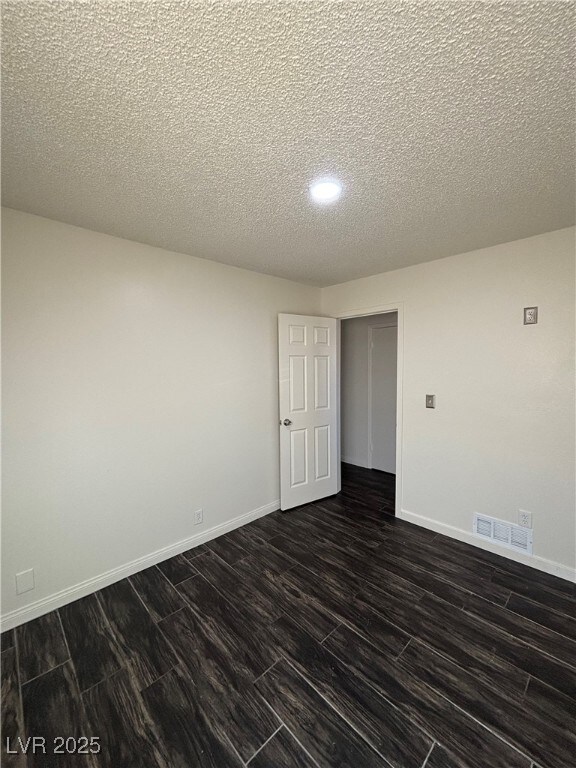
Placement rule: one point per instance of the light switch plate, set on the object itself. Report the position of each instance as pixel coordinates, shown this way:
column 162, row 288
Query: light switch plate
column 430, row 401
column 530, row 315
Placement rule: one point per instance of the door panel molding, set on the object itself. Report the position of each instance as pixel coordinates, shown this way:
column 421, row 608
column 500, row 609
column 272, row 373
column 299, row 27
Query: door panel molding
column 309, row 408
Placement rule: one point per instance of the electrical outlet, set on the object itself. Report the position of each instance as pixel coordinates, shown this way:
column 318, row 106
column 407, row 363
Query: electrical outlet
column 198, row 516
column 24, row 581
column 524, row 518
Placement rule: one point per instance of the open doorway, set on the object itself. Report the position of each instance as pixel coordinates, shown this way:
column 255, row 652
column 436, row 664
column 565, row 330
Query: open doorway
column 369, row 385
column 312, row 421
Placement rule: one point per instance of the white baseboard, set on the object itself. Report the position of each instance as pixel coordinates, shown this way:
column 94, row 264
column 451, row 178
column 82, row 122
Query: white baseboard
column 533, row 561
column 50, row 603
column 355, row 462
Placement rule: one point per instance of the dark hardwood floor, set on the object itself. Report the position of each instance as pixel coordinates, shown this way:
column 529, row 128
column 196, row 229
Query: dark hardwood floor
column 334, row 635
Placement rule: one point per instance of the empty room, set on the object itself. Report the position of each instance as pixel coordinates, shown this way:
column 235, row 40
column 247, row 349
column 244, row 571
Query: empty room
column 288, row 384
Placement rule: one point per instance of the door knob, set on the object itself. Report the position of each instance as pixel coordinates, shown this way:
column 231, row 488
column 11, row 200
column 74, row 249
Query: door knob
column 286, row 422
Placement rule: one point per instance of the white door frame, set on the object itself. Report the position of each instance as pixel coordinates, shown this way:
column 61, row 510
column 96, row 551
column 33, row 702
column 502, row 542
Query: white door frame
column 383, row 310
column 371, row 329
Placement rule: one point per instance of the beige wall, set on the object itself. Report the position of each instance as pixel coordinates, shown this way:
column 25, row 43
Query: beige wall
column 502, row 435
column 139, row 385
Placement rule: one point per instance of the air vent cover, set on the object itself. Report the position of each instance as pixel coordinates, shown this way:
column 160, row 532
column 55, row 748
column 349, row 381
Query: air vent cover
column 503, row 533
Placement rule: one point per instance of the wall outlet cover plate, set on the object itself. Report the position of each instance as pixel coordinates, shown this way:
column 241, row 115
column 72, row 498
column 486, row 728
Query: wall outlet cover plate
column 530, row 315
column 430, row 401
column 25, row 581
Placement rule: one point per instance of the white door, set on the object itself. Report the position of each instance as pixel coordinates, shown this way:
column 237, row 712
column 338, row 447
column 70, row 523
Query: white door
column 383, row 384
column 309, row 455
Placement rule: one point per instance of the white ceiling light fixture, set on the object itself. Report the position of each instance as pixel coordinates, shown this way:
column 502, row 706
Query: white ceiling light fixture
column 325, row 191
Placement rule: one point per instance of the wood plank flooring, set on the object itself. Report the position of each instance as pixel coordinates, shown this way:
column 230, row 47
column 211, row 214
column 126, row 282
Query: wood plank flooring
column 330, row 636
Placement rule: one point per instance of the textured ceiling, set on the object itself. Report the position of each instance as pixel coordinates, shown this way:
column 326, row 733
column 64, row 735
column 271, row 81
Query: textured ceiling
column 197, row 126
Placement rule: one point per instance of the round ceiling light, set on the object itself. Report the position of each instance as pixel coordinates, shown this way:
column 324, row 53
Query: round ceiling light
column 325, row 191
